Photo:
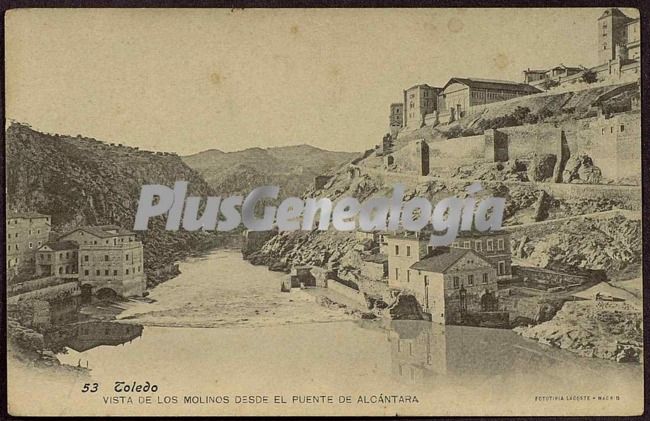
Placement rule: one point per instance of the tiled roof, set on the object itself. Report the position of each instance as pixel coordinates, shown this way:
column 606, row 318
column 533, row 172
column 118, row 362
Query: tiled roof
column 422, row 85
column 61, row 245
column 613, row 11
column 478, row 234
column 440, row 259
column 25, row 215
column 535, row 71
column 102, row 230
column 504, row 85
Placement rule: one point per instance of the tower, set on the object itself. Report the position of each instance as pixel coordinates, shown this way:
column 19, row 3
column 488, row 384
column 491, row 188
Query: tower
column 611, row 33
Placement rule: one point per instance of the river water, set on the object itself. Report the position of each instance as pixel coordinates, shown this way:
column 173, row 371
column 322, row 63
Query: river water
column 223, row 329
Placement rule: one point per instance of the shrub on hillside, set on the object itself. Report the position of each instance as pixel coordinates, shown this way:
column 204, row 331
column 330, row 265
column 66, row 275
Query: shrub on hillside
column 589, row 76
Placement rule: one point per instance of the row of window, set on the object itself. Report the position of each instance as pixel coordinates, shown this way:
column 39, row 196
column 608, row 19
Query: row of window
column 16, row 234
column 68, row 269
column 30, row 245
column 470, row 280
column 106, row 257
column 15, row 221
column 408, row 250
column 478, row 245
column 94, row 242
column 67, row 255
column 501, row 270
column 611, row 129
column 107, row 271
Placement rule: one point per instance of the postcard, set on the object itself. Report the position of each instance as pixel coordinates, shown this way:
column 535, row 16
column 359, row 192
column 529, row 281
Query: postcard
column 309, row 212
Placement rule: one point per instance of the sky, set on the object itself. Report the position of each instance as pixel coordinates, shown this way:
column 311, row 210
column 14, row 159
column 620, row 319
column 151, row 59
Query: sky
column 186, row 80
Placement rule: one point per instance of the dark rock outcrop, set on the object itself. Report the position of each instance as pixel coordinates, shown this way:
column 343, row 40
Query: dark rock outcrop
column 406, row 307
column 542, row 167
column 581, row 169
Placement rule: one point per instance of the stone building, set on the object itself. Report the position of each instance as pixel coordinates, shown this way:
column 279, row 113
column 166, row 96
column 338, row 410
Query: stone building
column 450, row 281
column 110, row 260
column 419, row 101
column 557, row 74
column 618, row 141
column 619, row 36
column 396, row 118
column 440, row 276
column 493, row 246
column 26, row 232
column 460, row 96
column 403, row 250
column 57, row 258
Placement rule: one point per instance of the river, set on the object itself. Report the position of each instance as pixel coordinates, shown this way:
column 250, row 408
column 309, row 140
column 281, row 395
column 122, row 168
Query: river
column 223, row 329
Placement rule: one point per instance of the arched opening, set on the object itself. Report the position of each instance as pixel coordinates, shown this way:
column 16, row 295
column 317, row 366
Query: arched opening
column 489, row 301
column 107, row 294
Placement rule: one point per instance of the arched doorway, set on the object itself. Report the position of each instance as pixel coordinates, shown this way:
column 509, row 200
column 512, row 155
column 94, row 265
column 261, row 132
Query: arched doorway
column 107, row 294
column 489, row 301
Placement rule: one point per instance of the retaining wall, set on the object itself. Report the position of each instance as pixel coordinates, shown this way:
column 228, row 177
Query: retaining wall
column 346, row 291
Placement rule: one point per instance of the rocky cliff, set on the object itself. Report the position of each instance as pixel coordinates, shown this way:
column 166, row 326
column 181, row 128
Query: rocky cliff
column 610, row 244
column 601, row 329
column 83, row 181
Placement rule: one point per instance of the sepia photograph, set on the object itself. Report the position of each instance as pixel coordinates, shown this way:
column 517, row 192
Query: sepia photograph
column 323, row 212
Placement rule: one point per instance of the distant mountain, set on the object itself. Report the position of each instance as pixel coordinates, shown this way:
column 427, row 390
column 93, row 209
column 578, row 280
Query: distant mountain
column 84, row 181
column 292, row 168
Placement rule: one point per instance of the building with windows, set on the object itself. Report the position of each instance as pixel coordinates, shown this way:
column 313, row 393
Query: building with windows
column 420, row 101
column 449, row 281
column 618, row 32
column 396, row 118
column 57, row 258
column 26, row 232
column 110, row 259
column 462, row 96
column 493, row 246
column 403, row 250
column 619, row 54
column 554, row 76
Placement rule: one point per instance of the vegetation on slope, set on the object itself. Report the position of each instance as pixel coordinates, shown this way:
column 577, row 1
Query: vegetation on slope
column 82, row 181
column 292, row 168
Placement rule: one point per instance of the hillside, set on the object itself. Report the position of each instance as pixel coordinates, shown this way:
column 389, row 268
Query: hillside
column 612, row 245
column 293, row 168
column 548, row 106
column 83, row 181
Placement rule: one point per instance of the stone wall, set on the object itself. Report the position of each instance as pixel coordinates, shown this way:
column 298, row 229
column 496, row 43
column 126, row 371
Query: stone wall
column 35, row 284
column 548, row 277
column 614, row 144
column 630, row 196
column 375, row 288
column 456, row 152
column 412, row 158
column 55, row 291
column 374, row 270
column 346, row 291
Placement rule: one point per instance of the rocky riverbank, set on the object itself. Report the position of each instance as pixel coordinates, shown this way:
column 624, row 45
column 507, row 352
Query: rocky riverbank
column 27, row 348
column 601, row 329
